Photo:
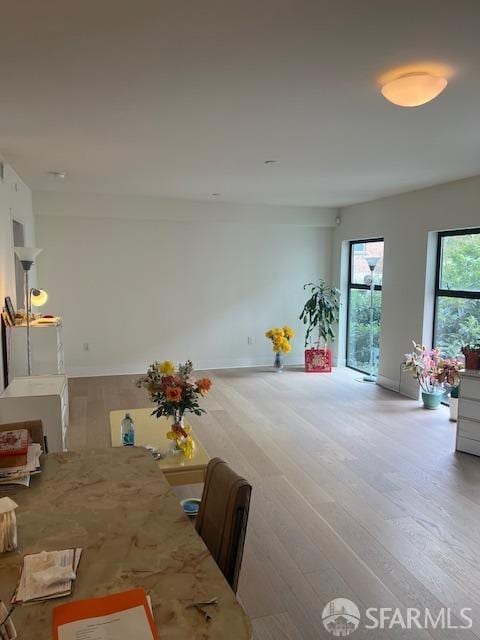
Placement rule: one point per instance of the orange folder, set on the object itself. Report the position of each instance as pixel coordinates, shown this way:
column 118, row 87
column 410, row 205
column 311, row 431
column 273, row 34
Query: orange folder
column 107, row 605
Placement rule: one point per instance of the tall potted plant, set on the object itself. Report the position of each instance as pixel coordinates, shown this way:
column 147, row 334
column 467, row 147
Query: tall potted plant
column 320, row 315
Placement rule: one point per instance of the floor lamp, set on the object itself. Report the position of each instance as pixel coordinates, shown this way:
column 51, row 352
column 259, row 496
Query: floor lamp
column 27, row 256
column 372, row 263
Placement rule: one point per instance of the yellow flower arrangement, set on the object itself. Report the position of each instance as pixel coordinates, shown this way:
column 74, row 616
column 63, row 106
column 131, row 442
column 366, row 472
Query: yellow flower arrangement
column 281, row 337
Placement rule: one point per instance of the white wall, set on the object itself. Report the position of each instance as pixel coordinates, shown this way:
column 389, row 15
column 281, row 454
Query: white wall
column 15, row 203
column 407, row 223
column 143, row 279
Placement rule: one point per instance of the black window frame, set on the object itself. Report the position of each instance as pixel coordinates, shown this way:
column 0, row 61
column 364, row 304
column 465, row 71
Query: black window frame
column 354, row 285
column 449, row 293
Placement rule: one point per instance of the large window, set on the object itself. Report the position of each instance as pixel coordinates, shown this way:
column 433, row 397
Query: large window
column 457, row 291
column 359, row 300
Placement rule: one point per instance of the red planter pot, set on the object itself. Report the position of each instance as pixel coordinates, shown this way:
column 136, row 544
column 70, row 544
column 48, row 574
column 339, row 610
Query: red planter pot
column 318, row 360
column 472, row 360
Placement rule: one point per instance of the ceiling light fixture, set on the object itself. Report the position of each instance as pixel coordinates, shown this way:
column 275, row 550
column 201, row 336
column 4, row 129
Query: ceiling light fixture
column 413, row 89
column 215, row 195
column 270, row 161
column 60, row 175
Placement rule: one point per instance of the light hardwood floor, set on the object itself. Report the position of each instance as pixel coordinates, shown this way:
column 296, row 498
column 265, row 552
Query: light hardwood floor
column 357, row 492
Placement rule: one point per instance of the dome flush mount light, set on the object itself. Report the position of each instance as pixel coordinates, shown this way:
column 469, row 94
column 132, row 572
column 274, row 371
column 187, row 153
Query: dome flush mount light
column 413, row 89
column 414, row 85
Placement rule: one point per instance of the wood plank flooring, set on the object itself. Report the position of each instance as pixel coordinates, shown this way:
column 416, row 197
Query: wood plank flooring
column 357, row 492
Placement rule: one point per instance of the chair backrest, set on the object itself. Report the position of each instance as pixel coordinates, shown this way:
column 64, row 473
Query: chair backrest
column 222, row 517
column 34, row 427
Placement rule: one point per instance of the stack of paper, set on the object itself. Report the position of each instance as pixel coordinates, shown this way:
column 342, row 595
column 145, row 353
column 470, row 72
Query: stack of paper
column 122, row 616
column 37, row 576
column 19, row 457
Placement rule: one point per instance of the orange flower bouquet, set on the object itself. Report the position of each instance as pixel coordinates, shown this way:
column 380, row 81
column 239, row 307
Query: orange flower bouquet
column 175, row 393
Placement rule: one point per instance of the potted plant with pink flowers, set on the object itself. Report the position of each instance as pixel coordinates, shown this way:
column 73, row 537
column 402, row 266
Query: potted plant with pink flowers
column 424, row 365
column 432, row 373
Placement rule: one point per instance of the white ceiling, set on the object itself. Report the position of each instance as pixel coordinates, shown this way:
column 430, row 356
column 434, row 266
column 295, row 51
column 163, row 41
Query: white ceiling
column 189, row 97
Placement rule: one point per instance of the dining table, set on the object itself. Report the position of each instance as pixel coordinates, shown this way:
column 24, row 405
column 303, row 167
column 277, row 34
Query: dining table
column 118, row 507
column 151, row 431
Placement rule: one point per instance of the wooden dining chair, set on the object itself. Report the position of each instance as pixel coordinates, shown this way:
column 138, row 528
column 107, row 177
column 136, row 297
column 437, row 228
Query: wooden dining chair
column 222, row 517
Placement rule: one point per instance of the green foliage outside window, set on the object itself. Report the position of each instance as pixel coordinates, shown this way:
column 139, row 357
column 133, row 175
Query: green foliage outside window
column 457, row 321
column 359, row 327
column 460, row 267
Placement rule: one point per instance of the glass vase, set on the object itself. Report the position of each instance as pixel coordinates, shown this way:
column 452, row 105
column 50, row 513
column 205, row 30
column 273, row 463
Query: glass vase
column 278, row 363
column 178, row 429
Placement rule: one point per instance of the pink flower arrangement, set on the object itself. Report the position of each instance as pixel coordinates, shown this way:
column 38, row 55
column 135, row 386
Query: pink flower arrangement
column 431, row 370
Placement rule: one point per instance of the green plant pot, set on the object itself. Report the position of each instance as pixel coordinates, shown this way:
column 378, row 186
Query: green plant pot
column 432, row 400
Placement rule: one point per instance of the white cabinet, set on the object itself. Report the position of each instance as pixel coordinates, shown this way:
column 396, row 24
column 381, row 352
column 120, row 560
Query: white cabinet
column 42, row 398
column 468, row 425
column 46, row 349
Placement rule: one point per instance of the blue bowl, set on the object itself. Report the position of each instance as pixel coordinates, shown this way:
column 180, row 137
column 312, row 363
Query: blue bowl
column 190, row 506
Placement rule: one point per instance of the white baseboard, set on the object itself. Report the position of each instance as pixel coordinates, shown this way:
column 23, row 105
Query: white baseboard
column 136, row 370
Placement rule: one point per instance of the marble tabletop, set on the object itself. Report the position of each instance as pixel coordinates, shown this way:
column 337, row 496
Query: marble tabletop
column 117, row 505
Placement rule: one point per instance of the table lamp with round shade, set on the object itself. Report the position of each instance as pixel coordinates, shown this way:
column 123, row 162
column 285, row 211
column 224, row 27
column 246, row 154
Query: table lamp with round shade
column 27, row 256
column 38, row 297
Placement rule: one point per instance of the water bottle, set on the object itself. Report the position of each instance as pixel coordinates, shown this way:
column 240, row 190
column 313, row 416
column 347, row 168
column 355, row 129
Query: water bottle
column 128, row 431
